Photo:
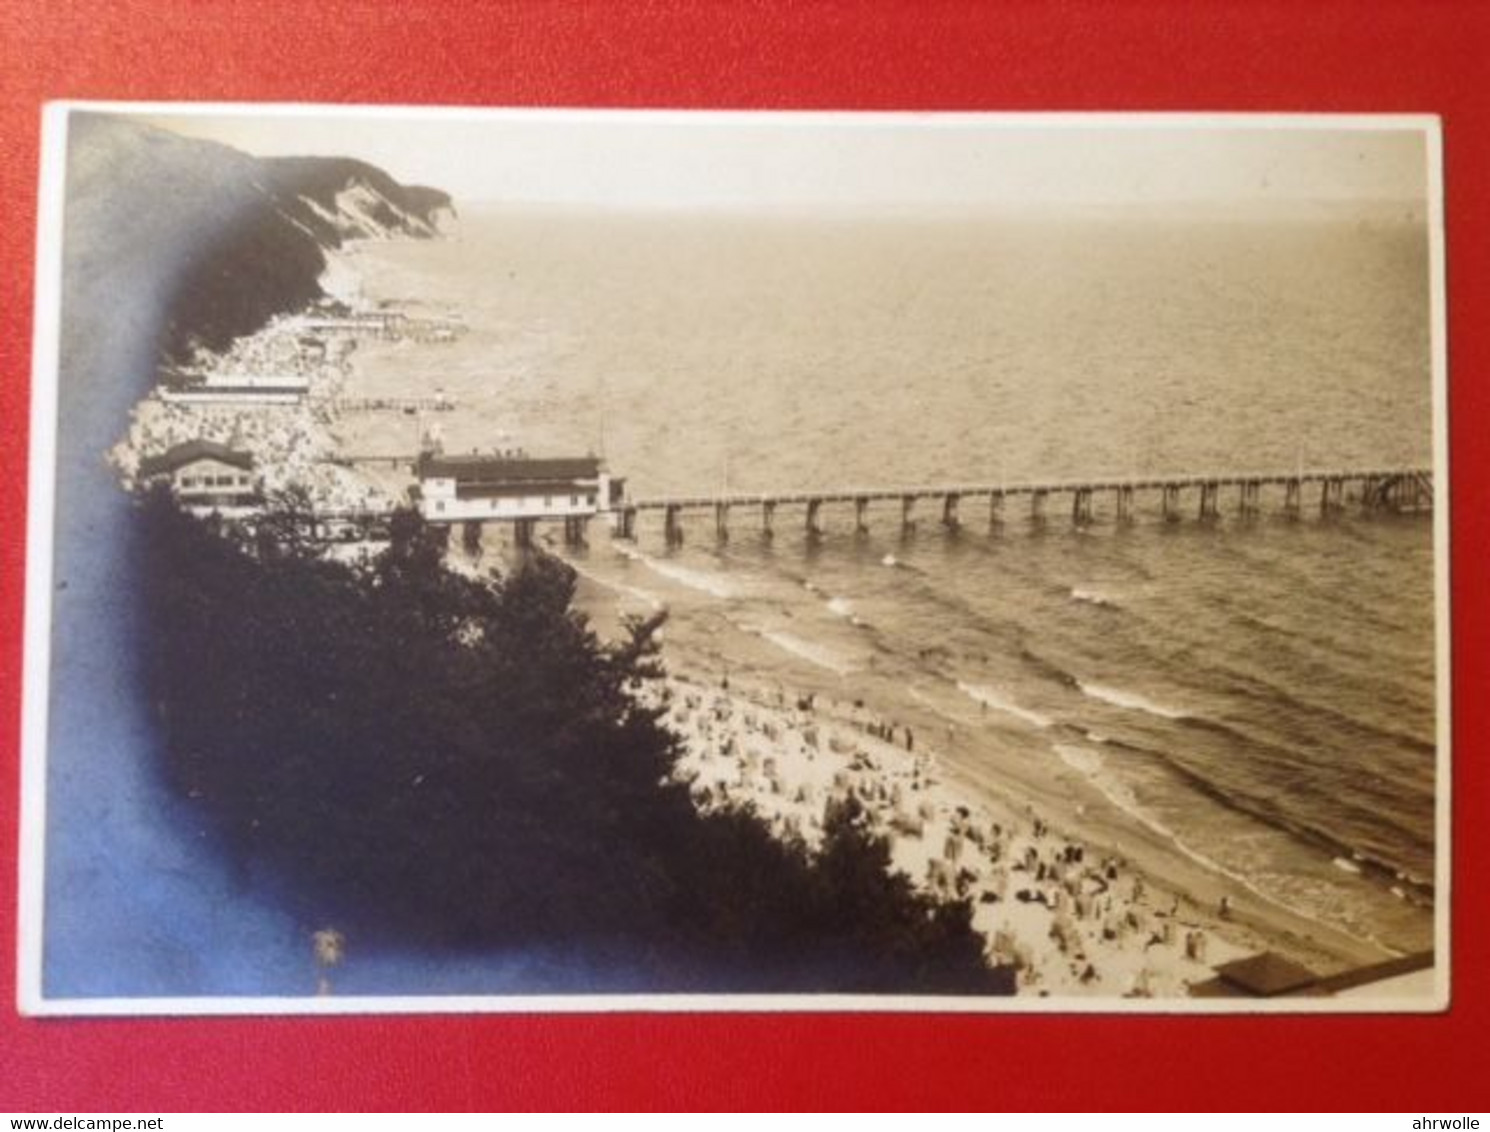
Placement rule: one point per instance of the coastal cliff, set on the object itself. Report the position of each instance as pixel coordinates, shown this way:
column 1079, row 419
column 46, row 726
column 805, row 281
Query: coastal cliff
column 201, row 243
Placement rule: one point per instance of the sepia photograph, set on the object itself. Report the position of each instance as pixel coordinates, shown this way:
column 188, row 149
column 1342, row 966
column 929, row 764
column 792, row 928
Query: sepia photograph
column 488, row 560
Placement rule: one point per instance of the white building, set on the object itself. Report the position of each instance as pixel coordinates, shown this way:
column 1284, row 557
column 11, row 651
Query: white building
column 205, row 476
column 479, row 488
column 196, row 388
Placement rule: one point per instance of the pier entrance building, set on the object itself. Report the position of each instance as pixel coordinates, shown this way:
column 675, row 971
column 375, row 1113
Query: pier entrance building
column 482, row 488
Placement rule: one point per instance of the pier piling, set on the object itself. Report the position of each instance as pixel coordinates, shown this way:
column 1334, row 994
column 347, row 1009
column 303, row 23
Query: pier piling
column 1422, row 490
column 1037, row 504
column 1331, row 495
column 949, row 511
column 1209, row 492
column 470, row 536
column 1081, row 506
column 1248, row 495
column 1293, row 492
column 814, row 529
column 1172, row 502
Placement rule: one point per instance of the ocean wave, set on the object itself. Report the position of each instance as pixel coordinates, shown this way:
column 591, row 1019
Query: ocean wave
column 1091, row 597
column 817, row 654
column 1092, row 765
column 1311, row 833
column 838, row 606
column 1047, row 668
column 1089, row 763
column 1276, row 696
column 1130, row 700
column 991, row 698
column 636, row 593
column 698, row 580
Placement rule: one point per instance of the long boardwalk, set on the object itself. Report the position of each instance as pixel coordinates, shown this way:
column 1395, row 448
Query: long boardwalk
column 1400, row 488
column 436, row 404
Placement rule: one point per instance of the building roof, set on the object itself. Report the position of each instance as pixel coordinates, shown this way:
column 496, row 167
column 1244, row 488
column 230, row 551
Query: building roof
column 1412, row 973
column 1258, row 976
column 519, row 489
column 506, row 469
column 1266, row 974
column 192, row 451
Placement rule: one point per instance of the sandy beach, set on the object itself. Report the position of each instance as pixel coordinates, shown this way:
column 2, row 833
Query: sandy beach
column 1076, row 917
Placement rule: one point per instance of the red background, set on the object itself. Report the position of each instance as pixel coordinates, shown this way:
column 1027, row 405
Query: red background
column 1140, row 55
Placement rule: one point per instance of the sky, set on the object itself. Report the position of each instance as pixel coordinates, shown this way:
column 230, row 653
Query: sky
column 848, row 161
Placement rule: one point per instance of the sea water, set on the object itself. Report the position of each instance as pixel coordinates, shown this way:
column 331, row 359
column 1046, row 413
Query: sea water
column 1259, row 692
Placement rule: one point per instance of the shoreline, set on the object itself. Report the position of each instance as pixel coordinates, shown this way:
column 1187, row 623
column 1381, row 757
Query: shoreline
column 1134, row 942
column 833, row 748
column 969, row 774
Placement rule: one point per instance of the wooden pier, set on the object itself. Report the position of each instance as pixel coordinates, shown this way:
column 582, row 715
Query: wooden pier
column 1207, row 496
column 437, row 404
column 387, row 326
column 392, row 462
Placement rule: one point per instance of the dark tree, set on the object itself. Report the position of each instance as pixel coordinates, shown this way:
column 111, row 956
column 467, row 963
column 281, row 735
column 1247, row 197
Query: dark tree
column 427, row 758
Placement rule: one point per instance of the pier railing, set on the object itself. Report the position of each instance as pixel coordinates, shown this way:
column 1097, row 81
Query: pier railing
column 435, row 404
column 1330, row 489
column 1206, row 496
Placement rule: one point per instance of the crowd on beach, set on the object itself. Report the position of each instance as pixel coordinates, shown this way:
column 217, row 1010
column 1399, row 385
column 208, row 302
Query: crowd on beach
column 293, row 445
column 1072, row 921
column 283, row 348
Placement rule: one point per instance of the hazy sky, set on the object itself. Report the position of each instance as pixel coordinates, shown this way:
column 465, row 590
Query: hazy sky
column 674, row 159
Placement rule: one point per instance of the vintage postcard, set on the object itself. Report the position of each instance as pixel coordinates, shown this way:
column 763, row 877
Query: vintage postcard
column 497, row 560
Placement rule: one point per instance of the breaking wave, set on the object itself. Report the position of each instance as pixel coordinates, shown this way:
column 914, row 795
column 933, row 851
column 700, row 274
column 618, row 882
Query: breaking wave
column 991, row 698
column 1130, row 700
column 698, row 580
column 815, row 654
